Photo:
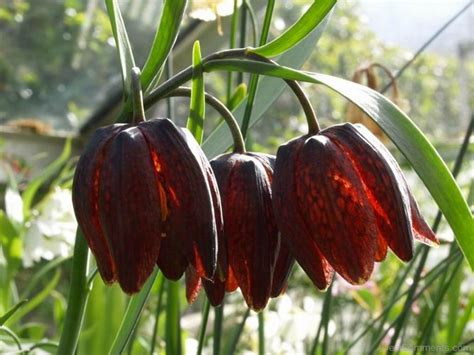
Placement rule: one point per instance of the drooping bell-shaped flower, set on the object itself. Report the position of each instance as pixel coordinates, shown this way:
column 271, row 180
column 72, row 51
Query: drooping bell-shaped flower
column 340, row 200
column 143, row 195
column 257, row 263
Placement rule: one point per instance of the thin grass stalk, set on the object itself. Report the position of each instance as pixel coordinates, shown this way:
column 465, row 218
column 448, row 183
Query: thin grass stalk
column 253, row 84
column 202, row 332
column 261, row 333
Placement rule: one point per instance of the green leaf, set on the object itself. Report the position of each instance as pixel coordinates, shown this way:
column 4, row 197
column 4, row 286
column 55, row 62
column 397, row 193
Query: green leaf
column 238, row 96
column 402, row 131
column 165, row 37
column 269, row 89
column 127, row 62
column 132, row 315
column 197, row 106
column 298, row 31
column 34, row 185
column 11, row 311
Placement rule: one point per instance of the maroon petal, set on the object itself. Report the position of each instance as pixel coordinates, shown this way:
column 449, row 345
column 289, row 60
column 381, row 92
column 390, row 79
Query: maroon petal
column 383, row 184
column 193, row 284
column 283, row 265
column 249, row 228
column 215, row 291
column 190, row 218
column 130, row 208
column 336, row 209
column 85, row 197
column 295, row 233
column 421, row 229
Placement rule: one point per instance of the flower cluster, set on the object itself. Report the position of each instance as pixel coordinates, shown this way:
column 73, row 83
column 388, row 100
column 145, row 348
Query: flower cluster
column 334, row 201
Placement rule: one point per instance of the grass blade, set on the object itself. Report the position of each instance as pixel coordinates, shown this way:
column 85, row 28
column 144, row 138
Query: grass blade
column 197, row 105
column 127, row 62
column 298, row 31
column 165, row 38
column 132, row 315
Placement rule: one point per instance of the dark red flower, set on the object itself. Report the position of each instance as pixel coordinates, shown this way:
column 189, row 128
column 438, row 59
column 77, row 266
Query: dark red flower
column 146, row 195
column 256, row 261
column 340, row 200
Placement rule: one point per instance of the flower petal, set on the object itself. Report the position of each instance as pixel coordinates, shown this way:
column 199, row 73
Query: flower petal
column 421, row 229
column 85, row 197
column 337, row 211
column 283, row 266
column 193, row 284
column 249, row 228
column 190, row 218
column 295, row 233
column 383, row 183
column 130, row 208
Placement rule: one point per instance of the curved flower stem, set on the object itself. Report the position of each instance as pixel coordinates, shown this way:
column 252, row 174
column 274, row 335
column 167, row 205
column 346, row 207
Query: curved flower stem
column 137, row 97
column 78, row 293
column 202, row 332
column 261, row 333
column 310, row 114
column 243, row 53
column 239, row 144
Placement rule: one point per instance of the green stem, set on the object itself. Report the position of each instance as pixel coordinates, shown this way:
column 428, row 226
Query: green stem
column 239, row 144
column 132, row 316
column 233, row 32
column 254, row 78
column 253, row 20
column 235, row 336
column 161, row 289
column 261, row 333
column 218, row 320
column 77, row 298
column 173, row 326
column 137, row 97
column 202, row 332
column 243, row 37
column 324, row 320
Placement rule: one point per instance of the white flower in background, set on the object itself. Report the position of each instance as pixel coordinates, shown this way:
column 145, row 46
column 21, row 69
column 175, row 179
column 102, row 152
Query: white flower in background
column 209, row 10
column 52, row 231
column 13, row 205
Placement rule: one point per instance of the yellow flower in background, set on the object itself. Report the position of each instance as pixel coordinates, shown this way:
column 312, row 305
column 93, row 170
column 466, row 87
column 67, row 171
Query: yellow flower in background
column 208, row 10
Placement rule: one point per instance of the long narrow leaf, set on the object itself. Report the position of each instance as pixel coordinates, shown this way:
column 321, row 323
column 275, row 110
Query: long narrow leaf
column 127, row 62
column 197, row 110
column 165, row 37
column 403, row 132
column 299, row 30
column 132, row 315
